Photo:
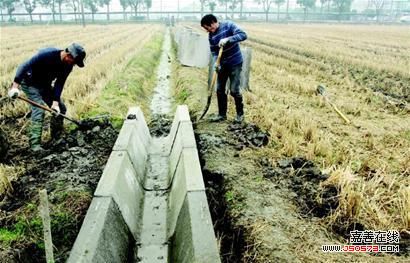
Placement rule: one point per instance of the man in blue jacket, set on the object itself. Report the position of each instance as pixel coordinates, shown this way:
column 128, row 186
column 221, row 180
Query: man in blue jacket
column 226, row 34
column 35, row 77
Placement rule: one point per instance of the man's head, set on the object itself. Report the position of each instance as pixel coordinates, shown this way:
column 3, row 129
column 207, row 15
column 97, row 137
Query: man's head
column 75, row 54
column 210, row 23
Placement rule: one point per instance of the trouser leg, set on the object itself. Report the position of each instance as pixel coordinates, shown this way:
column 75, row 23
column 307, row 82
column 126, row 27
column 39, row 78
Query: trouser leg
column 37, row 116
column 235, row 79
column 57, row 122
column 220, row 92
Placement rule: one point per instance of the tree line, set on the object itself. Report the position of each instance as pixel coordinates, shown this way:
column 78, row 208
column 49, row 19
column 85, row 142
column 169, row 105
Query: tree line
column 139, row 6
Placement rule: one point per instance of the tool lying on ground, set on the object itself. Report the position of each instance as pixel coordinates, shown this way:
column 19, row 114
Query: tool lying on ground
column 80, row 124
column 321, row 91
column 211, row 86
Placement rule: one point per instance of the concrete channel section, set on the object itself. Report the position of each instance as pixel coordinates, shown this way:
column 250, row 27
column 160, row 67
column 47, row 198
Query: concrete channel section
column 150, row 204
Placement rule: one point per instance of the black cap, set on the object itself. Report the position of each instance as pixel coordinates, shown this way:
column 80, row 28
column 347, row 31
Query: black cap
column 78, row 53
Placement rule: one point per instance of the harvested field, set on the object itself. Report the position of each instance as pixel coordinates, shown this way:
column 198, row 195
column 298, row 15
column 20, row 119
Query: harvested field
column 119, row 72
column 317, row 178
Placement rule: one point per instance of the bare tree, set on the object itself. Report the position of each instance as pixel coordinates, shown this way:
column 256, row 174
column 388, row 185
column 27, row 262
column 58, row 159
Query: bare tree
column 124, row 4
column 148, row 5
column 30, row 5
column 107, row 3
column 135, row 4
column 378, row 6
column 75, row 5
column 203, row 3
column 240, row 8
column 51, row 4
column 233, row 6
column 306, row 4
column 225, row 3
column 342, row 6
column 266, row 4
column 92, row 6
column 10, row 6
column 287, row 9
column 212, row 6
column 322, row 3
column 60, row 2
column 278, row 4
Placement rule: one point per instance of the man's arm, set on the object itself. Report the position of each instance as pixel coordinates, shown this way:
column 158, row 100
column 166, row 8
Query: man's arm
column 238, row 34
column 59, row 85
column 25, row 68
column 22, row 70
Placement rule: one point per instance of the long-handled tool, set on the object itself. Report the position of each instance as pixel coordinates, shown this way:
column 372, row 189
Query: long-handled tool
column 50, row 110
column 211, row 86
column 321, row 90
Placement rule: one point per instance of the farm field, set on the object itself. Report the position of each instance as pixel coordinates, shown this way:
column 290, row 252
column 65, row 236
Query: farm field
column 119, row 73
column 312, row 180
column 284, row 208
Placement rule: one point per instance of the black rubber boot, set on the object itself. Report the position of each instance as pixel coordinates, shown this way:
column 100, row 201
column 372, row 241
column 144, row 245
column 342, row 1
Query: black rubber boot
column 239, row 105
column 36, row 130
column 222, row 104
column 56, row 127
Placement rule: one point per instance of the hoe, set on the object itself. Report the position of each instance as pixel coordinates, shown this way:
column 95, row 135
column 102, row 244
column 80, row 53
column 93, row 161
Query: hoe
column 78, row 123
column 321, row 90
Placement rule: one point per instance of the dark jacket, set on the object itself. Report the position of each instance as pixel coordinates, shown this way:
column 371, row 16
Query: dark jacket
column 42, row 69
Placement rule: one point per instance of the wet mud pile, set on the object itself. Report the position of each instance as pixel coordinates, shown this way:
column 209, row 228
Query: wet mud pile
column 304, row 179
column 69, row 169
column 4, row 145
column 160, row 125
column 248, row 135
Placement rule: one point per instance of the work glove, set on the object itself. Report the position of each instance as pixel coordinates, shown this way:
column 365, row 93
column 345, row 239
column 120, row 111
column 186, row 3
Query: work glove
column 217, row 68
column 13, row 93
column 55, row 107
column 223, row 42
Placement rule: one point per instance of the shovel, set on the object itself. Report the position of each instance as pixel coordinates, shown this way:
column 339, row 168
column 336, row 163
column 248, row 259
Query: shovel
column 79, row 124
column 321, row 90
column 211, row 87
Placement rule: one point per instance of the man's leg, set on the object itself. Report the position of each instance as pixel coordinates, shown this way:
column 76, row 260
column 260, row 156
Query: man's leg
column 235, row 79
column 221, row 95
column 37, row 117
column 57, row 122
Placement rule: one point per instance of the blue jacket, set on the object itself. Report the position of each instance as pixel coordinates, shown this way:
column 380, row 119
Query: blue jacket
column 42, row 69
column 231, row 54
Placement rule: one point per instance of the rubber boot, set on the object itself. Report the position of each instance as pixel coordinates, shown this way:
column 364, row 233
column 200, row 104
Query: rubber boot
column 222, row 103
column 239, row 109
column 56, row 127
column 36, row 129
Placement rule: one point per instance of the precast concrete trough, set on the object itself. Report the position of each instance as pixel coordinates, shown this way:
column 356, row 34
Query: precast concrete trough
column 150, row 204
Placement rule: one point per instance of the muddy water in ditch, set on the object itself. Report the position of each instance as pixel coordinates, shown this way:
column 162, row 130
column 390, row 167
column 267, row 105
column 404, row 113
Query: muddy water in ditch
column 152, row 245
column 161, row 101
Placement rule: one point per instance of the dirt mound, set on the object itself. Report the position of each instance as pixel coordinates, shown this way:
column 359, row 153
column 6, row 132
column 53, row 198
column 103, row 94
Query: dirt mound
column 160, row 125
column 304, row 179
column 249, row 135
column 4, row 145
column 70, row 170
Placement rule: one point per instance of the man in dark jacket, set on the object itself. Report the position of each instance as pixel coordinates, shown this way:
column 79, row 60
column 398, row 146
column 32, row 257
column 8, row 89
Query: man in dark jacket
column 226, row 34
column 36, row 77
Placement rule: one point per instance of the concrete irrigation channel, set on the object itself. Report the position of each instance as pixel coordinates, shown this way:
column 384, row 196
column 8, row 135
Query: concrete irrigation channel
column 150, row 203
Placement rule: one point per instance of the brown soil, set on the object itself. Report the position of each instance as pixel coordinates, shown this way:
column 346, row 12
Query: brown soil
column 266, row 212
column 70, row 170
